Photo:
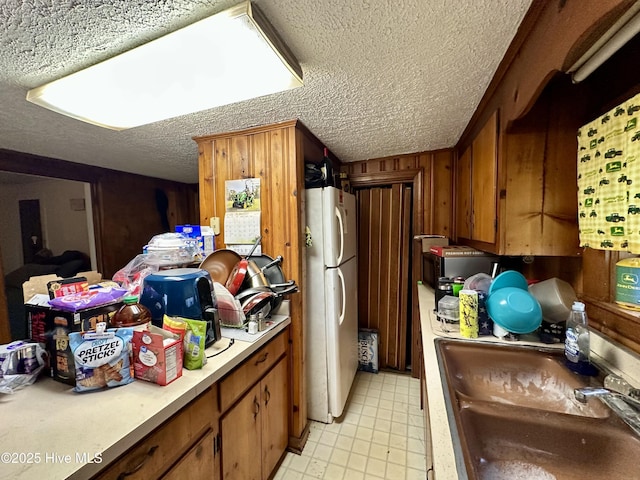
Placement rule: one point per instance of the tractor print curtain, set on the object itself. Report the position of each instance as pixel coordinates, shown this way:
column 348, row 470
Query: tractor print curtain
column 609, row 180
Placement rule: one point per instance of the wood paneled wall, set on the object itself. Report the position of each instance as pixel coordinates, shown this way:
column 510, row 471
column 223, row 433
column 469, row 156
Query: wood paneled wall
column 125, row 211
column 276, row 155
column 384, row 249
column 540, row 112
column 124, row 207
column 430, row 174
column 5, row 329
column 437, row 208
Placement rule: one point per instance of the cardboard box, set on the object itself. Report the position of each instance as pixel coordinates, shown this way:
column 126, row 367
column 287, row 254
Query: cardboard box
column 52, row 327
column 432, row 240
column 38, row 284
column 157, row 355
column 202, row 234
column 456, row 251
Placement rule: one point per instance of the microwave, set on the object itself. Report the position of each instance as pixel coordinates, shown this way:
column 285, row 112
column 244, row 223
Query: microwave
column 435, row 266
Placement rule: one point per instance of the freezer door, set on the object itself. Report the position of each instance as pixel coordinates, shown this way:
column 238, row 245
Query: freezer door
column 342, row 333
column 339, row 212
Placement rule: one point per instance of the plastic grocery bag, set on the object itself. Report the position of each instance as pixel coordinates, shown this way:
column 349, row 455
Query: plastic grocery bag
column 133, row 274
column 20, row 364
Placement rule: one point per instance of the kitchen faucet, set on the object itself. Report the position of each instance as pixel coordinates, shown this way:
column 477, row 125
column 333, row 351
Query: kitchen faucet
column 625, row 403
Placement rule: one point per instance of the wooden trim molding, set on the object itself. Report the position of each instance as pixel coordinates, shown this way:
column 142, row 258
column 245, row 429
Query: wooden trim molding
column 622, row 326
column 376, row 179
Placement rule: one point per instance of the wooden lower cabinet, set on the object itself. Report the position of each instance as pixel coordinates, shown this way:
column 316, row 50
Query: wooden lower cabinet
column 198, row 462
column 243, row 439
column 184, row 443
column 255, row 429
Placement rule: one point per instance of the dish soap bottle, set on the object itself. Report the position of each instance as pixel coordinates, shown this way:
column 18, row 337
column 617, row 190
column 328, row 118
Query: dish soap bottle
column 577, row 344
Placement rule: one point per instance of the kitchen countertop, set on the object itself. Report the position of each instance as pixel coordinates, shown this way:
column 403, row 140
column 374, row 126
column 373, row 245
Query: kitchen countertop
column 48, row 427
column 615, row 357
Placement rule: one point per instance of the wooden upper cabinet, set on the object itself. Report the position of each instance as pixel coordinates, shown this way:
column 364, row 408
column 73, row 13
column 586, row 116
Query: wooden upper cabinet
column 476, row 187
column 484, row 166
column 463, row 195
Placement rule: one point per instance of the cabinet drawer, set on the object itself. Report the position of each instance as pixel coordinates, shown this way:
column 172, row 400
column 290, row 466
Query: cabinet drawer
column 251, row 370
column 152, row 456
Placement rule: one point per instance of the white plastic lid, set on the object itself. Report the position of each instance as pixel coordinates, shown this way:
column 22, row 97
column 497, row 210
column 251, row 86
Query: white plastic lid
column 578, row 306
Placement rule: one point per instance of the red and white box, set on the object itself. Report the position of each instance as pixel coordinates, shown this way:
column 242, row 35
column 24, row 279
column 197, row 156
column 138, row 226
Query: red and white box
column 157, row 355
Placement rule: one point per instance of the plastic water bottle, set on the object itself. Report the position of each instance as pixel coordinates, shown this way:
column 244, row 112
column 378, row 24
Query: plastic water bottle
column 577, row 345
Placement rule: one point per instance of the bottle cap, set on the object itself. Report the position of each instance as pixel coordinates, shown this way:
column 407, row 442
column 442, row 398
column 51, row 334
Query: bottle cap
column 129, row 299
column 578, row 306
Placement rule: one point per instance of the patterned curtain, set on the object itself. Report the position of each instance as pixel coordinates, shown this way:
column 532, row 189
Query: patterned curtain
column 609, row 180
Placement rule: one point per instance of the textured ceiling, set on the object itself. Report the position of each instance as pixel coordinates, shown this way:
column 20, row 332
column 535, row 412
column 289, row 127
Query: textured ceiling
column 382, row 77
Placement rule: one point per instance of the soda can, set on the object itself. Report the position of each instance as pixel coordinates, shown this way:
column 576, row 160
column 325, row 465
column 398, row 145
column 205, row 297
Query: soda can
column 468, row 313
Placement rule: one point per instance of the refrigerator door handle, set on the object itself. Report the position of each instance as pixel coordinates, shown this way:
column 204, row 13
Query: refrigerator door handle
column 341, row 225
column 344, row 297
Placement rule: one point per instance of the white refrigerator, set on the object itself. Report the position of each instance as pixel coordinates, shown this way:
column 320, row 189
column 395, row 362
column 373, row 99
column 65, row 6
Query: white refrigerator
column 331, row 317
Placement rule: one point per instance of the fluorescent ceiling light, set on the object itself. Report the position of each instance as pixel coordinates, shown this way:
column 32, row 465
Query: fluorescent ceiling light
column 228, row 57
column 627, row 26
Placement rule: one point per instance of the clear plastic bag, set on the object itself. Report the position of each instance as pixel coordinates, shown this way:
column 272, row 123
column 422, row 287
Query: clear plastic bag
column 133, row 274
column 172, row 249
column 20, row 364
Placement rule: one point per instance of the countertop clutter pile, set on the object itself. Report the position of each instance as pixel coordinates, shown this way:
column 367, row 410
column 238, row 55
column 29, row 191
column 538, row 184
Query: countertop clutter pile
column 96, row 335
column 505, row 306
column 246, row 287
column 157, row 316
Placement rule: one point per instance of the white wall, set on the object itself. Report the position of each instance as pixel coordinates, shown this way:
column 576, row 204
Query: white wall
column 62, row 228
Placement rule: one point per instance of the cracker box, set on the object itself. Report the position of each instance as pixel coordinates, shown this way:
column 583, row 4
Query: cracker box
column 157, row 355
column 368, row 350
column 52, row 327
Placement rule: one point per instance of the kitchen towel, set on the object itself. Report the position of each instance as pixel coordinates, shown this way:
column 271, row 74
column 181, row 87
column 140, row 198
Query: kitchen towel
column 609, row 180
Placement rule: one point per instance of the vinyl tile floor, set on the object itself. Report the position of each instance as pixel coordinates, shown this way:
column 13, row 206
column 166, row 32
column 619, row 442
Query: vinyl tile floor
column 379, row 436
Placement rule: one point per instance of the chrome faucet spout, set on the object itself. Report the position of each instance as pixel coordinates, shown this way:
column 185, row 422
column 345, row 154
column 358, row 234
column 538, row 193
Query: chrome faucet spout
column 625, row 406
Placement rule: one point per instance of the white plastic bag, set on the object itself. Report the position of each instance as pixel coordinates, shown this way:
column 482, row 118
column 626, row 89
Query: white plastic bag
column 20, row 364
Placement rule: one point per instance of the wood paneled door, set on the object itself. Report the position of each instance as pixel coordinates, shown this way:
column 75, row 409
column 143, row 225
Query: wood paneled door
column 384, row 256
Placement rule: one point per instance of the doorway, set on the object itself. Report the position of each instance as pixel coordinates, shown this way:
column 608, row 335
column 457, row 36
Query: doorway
column 30, row 229
column 384, row 277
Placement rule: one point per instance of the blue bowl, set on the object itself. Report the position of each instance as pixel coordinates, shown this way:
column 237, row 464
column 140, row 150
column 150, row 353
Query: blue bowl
column 514, row 309
column 508, row 278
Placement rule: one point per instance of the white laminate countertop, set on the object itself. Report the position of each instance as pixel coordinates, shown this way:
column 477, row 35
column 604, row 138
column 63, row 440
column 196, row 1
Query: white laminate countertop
column 615, row 357
column 47, row 428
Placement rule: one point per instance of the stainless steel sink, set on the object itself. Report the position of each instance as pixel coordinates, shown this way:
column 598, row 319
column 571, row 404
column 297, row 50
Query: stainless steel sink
column 513, row 414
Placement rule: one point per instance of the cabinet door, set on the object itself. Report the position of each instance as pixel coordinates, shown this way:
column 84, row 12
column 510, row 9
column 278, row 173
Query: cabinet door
column 484, row 166
column 463, row 195
column 153, row 455
column 198, row 462
column 274, row 416
column 241, row 438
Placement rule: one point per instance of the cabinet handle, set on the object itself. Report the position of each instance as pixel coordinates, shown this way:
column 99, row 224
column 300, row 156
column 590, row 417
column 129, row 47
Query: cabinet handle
column 262, row 358
column 267, row 395
column 256, row 408
column 149, row 454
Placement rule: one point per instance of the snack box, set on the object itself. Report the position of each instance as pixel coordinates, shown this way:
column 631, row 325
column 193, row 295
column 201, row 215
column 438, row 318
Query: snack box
column 157, row 355
column 51, row 327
